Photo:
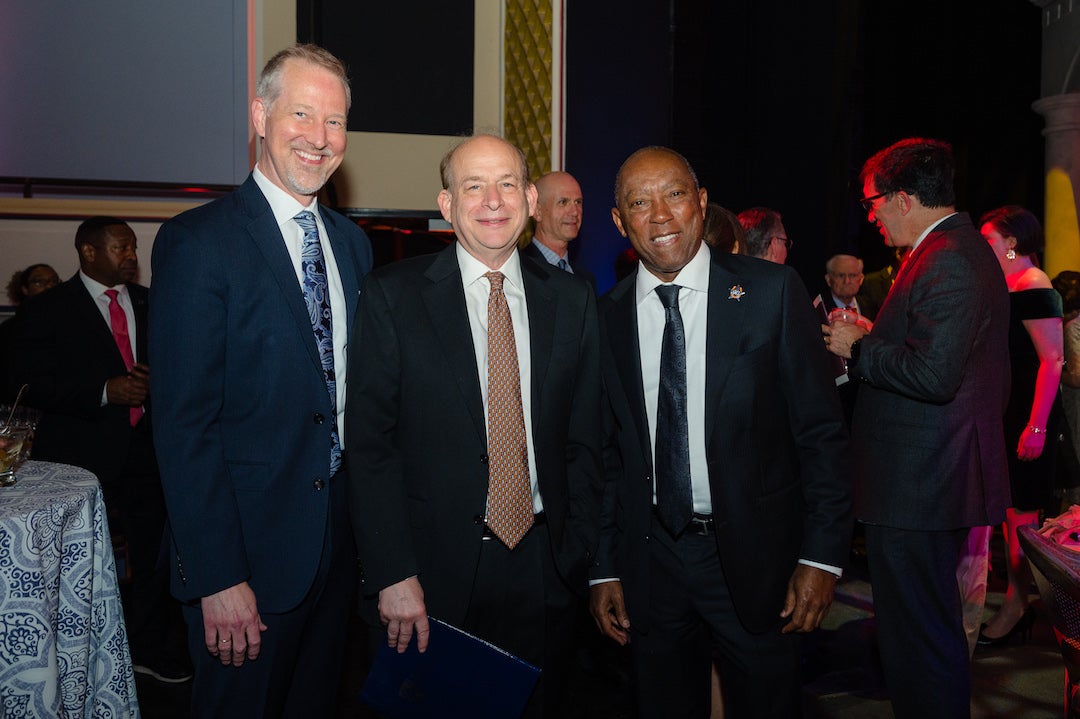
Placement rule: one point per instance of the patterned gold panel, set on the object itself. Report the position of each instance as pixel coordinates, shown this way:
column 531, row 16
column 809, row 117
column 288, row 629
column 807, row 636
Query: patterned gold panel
column 527, row 108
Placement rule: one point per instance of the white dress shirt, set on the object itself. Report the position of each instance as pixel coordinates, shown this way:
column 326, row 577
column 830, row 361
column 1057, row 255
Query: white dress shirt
column 477, row 288
column 123, row 298
column 693, row 306
column 285, row 209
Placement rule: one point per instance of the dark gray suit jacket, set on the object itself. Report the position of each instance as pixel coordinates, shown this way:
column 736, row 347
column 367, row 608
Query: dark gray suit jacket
column 927, row 432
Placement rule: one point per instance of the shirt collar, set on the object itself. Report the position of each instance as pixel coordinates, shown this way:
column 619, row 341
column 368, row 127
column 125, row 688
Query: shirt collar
column 930, row 229
column 473, row 269
column 96, row 289
column 282, row 204
column 694, row 276
column 550, row 255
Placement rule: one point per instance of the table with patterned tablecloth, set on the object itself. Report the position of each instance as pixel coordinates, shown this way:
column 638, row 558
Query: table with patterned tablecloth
column 63, row 644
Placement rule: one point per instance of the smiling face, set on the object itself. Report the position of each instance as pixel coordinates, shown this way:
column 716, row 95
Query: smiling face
column 558, row 210
column 884, row 213
column 303, row 129
column 488, row 200
column 660, row 210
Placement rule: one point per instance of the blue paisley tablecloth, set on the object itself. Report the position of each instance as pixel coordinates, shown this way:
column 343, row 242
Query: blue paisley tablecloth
column 63, row 645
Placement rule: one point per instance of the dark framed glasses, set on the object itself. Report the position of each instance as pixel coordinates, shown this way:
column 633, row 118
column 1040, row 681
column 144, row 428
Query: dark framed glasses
column 868, row 202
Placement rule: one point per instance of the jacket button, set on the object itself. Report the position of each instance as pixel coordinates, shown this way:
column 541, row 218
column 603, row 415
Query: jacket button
column 483, row 459
column 318, row 484
column 318, row 418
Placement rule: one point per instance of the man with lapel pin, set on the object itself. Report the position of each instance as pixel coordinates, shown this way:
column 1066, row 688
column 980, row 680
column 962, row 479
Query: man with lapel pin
column 726, row 512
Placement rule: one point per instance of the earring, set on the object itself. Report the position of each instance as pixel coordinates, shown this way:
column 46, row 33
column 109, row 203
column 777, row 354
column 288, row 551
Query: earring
column 1010, row 254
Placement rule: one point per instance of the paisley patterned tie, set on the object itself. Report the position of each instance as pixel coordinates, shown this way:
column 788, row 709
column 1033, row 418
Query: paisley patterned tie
column 317, row 298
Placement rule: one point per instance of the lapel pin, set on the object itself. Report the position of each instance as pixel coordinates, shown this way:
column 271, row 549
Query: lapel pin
column 736, row 293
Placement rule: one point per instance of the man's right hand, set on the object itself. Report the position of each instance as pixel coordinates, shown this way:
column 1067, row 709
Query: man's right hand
column 609, row 611
column 402, row 610
column 232, row 628
column 129, row 390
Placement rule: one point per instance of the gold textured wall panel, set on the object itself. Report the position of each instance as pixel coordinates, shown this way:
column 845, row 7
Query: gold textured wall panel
column 527, row 104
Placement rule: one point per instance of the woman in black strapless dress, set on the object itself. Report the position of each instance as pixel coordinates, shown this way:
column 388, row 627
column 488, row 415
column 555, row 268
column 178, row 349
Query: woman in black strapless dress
column 1034, row 410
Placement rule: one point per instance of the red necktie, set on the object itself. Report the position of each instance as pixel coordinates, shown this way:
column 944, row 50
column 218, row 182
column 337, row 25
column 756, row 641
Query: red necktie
column 118, row 322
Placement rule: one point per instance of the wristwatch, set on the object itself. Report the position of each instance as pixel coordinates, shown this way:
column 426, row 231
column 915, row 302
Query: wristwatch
column 856, row 347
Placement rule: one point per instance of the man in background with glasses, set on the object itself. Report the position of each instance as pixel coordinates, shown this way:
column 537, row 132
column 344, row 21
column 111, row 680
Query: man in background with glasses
column 765, row 234
column 927, row 434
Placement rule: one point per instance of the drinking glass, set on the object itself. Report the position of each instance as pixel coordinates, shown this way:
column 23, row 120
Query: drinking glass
column 11, row 441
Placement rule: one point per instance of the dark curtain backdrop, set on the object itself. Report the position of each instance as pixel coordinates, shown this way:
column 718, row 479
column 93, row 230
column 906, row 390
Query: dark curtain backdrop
column 779, row 105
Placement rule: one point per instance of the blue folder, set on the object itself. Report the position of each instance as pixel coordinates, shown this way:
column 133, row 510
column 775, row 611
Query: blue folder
column 458, row 676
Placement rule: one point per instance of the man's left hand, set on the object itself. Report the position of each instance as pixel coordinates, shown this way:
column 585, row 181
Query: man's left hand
column 809, row 595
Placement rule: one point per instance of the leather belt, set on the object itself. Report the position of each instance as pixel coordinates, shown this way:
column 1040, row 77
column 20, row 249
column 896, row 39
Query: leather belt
column 700, row 524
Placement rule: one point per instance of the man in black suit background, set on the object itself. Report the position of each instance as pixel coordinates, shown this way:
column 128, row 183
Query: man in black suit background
column 430, row 395
column 81, row 348
column 739, row 522
column 927, row 433
column 558, row 216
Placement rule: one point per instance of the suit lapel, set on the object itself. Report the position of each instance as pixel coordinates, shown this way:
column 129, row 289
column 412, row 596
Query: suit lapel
column 724, row 318
column 622, row 329
column 444, row 300
column 266, row 236
column 346, row 267
column 541, row 328
column 87, row 315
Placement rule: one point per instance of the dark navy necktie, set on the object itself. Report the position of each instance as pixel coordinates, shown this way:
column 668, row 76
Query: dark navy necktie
column 317, row 298
column 674, row 500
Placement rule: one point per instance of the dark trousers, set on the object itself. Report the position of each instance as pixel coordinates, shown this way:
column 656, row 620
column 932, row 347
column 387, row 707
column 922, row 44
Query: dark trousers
column 690, row 617
column 137, row 507
column 520, row 603
column 299, row 667
column 919, row 619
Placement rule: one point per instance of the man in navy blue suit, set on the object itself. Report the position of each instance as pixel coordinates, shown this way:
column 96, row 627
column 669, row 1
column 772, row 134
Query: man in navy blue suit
column 255, row 294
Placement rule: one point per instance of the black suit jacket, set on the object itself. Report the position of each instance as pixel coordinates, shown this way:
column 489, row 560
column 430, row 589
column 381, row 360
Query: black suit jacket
column 417, row 433
column 930, row 448
column 65, row 351
column 775, row 441
column 580, row 270
column 867, row 307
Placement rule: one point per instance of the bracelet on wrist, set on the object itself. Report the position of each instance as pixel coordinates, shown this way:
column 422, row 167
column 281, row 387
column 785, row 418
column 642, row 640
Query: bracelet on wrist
column 1035, row 430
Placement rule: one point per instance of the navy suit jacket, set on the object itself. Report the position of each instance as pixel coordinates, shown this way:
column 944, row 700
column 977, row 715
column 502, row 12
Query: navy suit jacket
column 928, row 436
column 418, row 437
column 774, row 438
column 244, row 418
column 66, row 352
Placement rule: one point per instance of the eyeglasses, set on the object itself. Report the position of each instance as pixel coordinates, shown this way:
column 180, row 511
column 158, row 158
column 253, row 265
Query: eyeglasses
column 787, row 243
column 868, row 202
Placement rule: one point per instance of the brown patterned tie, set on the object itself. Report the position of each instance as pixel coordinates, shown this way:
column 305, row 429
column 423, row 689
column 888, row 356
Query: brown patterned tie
column 509, row 503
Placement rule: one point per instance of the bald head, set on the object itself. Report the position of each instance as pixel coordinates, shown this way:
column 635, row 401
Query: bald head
column 558, row 211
